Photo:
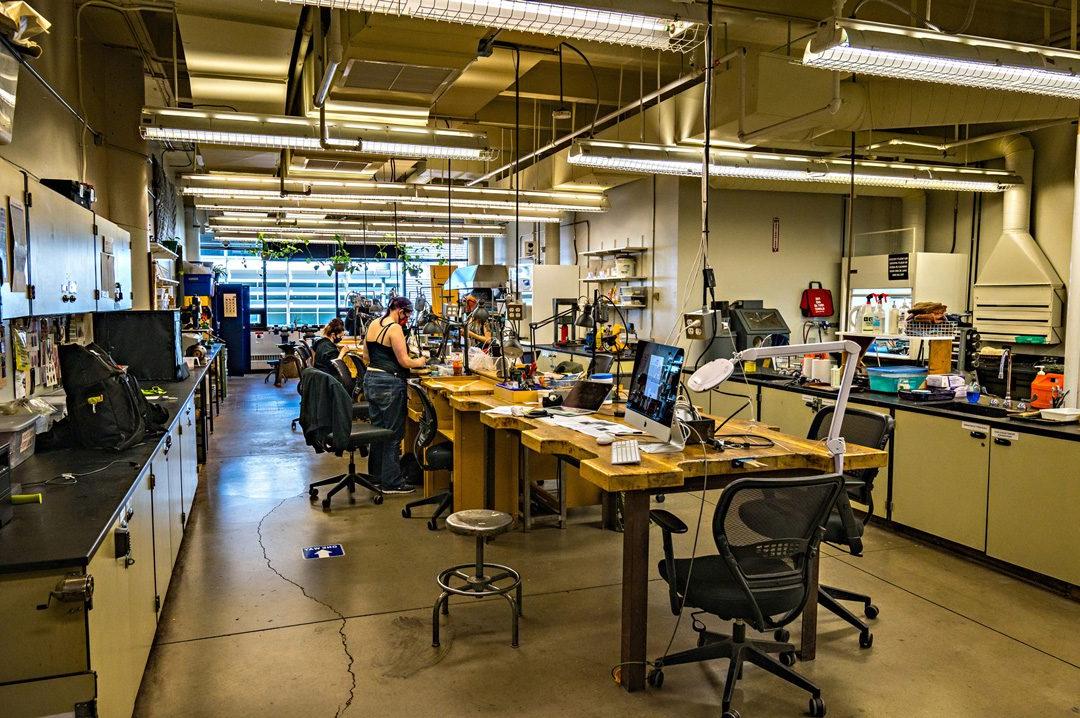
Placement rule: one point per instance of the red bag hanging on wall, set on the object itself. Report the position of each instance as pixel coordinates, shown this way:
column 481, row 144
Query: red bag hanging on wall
column 816, row 301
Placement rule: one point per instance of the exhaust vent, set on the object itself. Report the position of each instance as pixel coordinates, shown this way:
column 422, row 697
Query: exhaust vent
column 1018, row 292
column 396, row 77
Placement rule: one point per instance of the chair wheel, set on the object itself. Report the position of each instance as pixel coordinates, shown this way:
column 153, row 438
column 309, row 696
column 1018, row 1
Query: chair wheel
column 788, row 658
column 376, row 499
column 326, row 503
column 817, row 708
column 871, row 611
column 731, row 714
column 660, row 498
column 313, row 494
column 701, row 640
column 781, row 635
column 655, row 678
column 406, row 513
column 432, row 526
column 866, row 639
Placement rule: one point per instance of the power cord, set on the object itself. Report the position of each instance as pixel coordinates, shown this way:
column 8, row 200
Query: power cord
column 70, row 478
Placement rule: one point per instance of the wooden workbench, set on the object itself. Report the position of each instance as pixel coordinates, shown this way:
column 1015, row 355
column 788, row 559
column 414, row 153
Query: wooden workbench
column 693, row 469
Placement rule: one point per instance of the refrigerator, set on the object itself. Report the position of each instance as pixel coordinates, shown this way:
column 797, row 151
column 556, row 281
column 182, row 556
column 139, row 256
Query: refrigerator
column 232, row 312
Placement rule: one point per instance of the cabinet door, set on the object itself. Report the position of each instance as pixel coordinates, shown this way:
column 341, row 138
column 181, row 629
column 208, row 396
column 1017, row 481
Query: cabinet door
column 786, row 409
column 69, row 695
column 62, row 262
column 1033, row 518
column 176, row 503
column 110, row 630
column 940, row 473
column 112, row 251
column 881, row 482
column 13, row 193
column 163, row 551
column 37, row 643
column 189, row 465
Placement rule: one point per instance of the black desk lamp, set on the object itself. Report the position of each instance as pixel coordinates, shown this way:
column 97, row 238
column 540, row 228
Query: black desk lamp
column 593, row 316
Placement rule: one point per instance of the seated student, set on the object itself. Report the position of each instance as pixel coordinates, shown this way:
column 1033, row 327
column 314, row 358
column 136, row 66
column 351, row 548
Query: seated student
column 479, row 334
column 326, row 345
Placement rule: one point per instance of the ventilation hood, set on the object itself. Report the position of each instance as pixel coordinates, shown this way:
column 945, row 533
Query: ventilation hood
column 1018, row 292
column 479, row 276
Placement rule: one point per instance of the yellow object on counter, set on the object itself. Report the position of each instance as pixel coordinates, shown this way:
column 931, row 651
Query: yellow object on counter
column 17, row 499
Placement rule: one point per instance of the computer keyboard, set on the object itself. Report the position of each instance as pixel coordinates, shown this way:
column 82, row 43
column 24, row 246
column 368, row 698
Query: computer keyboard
column 625, row 452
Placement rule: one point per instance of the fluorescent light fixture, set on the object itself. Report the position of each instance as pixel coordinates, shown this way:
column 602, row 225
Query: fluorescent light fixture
column 298, row 133
column 242, row 242
column 242, row 186
column 301, row 220
column 542, row 18
column 913, row 54
column 435, row 212
column 275, row 233
column 686, row 161
column 346, row 226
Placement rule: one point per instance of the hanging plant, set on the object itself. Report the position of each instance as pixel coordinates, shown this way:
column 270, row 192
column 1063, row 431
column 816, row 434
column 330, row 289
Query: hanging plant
column 341, row 261
column 440, row 244
column 276, row 249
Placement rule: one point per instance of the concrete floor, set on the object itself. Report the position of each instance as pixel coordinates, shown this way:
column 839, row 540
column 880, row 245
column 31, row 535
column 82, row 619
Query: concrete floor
column 252, row 629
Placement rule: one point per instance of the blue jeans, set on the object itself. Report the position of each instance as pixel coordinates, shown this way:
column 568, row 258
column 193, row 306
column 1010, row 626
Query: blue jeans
column 387, row 401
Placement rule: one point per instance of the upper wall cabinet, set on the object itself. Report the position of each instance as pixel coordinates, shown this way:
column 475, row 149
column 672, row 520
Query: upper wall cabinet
column 14, row 298
column 113, row 254
column 62, row 256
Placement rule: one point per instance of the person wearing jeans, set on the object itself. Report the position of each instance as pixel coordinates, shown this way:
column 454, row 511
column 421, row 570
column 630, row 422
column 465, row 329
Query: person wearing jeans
column 384, row 389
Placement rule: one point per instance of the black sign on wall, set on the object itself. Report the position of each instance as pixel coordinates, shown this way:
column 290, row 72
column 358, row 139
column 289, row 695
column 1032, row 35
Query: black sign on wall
column 898, row 267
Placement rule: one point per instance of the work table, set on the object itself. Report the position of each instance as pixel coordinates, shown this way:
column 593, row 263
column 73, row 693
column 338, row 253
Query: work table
column 67, row 528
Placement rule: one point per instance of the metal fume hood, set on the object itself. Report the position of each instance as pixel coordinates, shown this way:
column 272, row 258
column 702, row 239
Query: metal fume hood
column 1018, row 292
column 479, row 276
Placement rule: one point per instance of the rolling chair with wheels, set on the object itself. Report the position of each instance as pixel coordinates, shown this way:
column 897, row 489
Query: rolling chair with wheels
column 303, row 353
column 873, row 430
column 759, row 574
column 326, row 417
column 439, row 457
column 341, row 371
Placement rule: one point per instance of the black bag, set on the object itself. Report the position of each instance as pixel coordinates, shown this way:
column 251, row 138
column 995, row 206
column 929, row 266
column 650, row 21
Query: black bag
column 106, row 409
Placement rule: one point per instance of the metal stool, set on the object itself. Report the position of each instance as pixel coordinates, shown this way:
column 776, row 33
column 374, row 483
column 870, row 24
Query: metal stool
column 482, row 524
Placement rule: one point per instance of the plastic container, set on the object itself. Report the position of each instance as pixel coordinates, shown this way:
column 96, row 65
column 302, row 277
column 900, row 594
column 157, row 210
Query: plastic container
column 19, row 433
column 886, row 379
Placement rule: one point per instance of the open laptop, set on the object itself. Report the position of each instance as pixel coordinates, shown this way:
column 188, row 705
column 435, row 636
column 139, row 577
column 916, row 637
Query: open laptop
column 585, row 398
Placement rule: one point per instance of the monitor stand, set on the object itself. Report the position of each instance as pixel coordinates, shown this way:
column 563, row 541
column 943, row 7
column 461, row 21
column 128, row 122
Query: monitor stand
column 673, row 446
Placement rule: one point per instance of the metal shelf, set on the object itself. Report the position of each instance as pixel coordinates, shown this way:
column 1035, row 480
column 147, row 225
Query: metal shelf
column 613, row 252
column 903, row 337
column 613, row 279
column 160, row 251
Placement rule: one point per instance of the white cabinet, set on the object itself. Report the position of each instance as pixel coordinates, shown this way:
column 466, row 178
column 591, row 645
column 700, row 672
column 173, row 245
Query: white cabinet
column 13, row 198
column 62, row 260
column 189, row 461
column 939, row 480
column 1033, row 514
column 122, row 623
column 112, row 253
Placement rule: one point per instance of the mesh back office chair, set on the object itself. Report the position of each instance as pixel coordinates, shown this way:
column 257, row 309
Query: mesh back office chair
column 321, row 429
column 865, row 428
column 767, row 532
column 439, row 457
column 304, row 353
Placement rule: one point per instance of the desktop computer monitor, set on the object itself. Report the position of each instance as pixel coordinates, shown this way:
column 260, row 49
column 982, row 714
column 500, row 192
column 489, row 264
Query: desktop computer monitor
column 654, row 387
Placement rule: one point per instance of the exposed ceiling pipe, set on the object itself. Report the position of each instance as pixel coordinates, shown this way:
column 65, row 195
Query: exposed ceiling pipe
column 913, row 214
column 946, row 146
column 812, row 118
column 612, row 118
column 332, row 59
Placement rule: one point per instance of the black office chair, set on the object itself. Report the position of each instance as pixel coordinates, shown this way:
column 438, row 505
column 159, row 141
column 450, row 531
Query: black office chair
column 869, row 429
column 303, row 352
column 439, row 457
column 759, row 573
column 322, row 397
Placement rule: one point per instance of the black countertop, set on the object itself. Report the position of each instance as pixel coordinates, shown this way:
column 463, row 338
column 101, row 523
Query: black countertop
column 67, row 528
column 892, row 401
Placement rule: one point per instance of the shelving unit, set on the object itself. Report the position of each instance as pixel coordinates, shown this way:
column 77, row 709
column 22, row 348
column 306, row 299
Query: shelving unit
column 613, row 280
column 163, row 285
column 600, row 253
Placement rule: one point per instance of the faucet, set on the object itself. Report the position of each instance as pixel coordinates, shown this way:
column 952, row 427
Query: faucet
column 1005, row 372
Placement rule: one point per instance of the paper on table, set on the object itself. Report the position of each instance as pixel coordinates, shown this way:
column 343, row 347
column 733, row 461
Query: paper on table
column 590, row 426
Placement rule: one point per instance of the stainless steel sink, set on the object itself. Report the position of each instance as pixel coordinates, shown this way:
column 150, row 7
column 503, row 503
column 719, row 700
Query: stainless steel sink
column 995, row 412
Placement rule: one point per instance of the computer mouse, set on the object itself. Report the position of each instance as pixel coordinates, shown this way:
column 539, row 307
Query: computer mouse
column 605, row 439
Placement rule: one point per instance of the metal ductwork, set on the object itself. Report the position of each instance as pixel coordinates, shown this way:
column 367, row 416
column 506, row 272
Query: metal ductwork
column 1018, row 292
column 479, row 276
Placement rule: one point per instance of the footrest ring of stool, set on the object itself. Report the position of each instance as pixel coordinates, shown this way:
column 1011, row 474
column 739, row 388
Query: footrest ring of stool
column 479, row 586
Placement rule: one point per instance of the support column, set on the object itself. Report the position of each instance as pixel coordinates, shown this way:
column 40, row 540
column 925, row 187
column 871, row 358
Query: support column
column 473, row 251
column 487, row 250
column 192, row 230
column 1072, row 284
column 552, row 244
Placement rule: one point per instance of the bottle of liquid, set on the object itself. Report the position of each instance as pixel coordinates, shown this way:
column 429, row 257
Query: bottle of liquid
column 878, row 321
column 866, row 319
column 892, row 315
column 901, row 322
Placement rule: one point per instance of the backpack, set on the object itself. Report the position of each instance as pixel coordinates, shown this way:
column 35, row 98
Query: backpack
column 106, row 409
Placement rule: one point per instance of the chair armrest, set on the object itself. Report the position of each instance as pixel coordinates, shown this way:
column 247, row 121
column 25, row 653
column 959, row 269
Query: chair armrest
column 667, row 521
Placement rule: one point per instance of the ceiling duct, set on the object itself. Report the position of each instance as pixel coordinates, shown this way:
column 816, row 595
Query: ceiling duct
column 479, row 276
column 1018, row 292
